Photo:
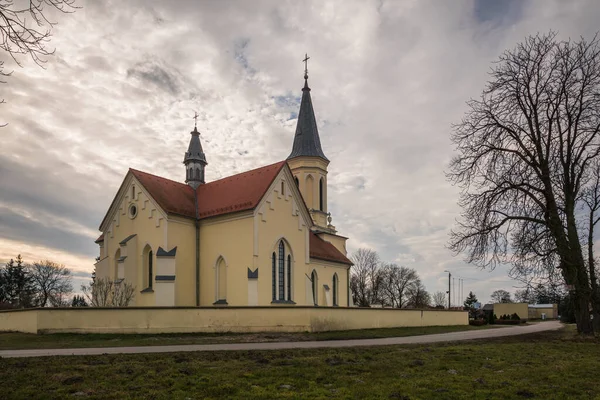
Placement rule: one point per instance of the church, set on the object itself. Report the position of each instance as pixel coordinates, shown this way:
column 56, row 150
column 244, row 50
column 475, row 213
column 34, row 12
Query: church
column 259, row 238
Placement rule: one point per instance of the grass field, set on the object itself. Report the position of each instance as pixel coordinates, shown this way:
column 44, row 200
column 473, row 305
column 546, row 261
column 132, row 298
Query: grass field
column 549, row 365
column 67, row 340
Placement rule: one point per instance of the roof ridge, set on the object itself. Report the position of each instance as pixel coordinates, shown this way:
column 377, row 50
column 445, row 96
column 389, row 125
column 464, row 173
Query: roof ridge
column 157, row 176
column 242, row 173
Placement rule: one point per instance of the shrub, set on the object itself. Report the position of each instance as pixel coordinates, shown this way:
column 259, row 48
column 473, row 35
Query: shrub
column 515, row 316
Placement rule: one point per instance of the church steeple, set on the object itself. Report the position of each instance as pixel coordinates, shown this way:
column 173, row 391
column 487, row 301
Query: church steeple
column 306, row 139
column 194, row 160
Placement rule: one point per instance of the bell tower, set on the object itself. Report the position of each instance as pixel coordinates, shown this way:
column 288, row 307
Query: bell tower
column 308, row 162
column 194, row 160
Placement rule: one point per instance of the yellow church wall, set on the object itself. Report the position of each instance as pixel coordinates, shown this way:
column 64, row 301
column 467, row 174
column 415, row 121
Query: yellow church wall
column 219, row 319
column 229, row 237
column 280, row 217
column 182, row 233
column 150, row 227
column 325, row 271
column 309, row 171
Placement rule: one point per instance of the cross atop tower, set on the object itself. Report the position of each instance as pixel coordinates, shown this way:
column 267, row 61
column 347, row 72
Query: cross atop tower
column 195, row 119
column 305, row 61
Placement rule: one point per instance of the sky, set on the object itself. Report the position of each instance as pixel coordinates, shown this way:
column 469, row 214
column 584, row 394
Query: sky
column 388, row 79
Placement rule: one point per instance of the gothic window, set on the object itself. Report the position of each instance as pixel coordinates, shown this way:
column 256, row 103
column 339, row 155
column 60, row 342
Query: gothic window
column 282, row 188
column 297, row 181
column 335, row 290
column 310, row 182
column 289, row 277
column 221, row 280
column 147, row 272
column 281, row 270
column 321, row 195
column 273, row 261
column 197, row 173
column 314, row 279
column 132, row 192
column 117, row 256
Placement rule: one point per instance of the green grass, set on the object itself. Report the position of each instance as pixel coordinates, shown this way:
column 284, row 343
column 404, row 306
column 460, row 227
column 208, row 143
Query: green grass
column 549, row 365
column 71, row 340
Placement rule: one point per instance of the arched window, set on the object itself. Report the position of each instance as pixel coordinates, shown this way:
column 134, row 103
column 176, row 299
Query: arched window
column 310, row 201
column 282, row 188
column 281, row 270
column 116, row 269
column 274, row 275
column 197, row 173
column 314, row 279
column 289, row 278
column 221, row 280
column 335, row 289
column 297, row 181
column 321, row 205
column 132, row 192
column 147, row 273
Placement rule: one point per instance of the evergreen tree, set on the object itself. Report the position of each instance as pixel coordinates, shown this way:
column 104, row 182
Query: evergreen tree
column 470, row 301
column 18, row 284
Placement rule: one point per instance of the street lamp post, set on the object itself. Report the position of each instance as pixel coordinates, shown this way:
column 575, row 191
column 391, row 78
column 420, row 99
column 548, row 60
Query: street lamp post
column 449, row 294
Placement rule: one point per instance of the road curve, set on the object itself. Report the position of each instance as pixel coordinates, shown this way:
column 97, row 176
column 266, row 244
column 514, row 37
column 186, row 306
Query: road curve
column 440, row 337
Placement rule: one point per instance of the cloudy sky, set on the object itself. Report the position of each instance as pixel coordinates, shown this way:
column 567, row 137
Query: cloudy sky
column 388, row 79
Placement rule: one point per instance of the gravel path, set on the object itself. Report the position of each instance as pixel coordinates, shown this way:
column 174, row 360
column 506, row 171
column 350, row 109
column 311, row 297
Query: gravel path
column 441, row 337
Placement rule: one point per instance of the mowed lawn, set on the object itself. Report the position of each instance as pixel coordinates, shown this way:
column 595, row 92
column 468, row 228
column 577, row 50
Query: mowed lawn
column 549, row 365
column 69, row 340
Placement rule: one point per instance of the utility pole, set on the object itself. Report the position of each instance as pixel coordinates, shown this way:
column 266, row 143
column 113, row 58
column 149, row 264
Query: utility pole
column 449, row 294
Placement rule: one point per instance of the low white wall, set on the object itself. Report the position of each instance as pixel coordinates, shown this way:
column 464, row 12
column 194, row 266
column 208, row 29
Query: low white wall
column 220, row 319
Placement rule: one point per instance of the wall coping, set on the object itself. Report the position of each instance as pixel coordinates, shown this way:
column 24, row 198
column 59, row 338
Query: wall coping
column 279, row 307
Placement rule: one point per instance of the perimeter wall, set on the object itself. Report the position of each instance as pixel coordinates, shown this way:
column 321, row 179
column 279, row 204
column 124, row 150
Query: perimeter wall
column 220, row 319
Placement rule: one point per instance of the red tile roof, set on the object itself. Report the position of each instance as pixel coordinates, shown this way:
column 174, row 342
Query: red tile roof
column 100, row 239
column 323, row 250
column 173, row 197
column 236, row 193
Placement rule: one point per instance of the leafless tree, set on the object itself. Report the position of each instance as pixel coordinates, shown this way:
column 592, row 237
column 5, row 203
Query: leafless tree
column 365, row 262
column 397, row 281
column 51, row 283
column 525, row 153
column 439, row 299
column 104, row 292
column 501, row 296
column 26, row 30
column 417, row 296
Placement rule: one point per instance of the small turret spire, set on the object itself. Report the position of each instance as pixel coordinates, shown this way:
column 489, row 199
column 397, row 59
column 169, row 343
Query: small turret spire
column 195, row 159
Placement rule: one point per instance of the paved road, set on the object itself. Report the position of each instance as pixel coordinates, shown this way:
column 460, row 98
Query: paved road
column 441, row 337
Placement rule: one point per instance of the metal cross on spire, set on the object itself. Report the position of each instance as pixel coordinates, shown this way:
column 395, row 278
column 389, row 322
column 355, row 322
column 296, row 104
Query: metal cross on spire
column 195, row 120
column 305, row 61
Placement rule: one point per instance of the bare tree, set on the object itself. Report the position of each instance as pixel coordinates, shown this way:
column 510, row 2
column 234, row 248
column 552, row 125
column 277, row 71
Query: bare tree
column 104, row 292
column 397, row 283
column 26, row 30
column 439, row 299
column 501, row 296
column 418, row 297
column 525, row 154
column 365, row 262
column 51, row 283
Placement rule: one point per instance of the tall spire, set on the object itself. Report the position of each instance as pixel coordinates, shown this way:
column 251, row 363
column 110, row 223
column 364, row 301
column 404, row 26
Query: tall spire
column 306, row 139
column 194, row 159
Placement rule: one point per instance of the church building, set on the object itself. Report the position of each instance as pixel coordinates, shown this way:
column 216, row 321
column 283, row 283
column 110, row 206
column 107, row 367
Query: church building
column 259, row 238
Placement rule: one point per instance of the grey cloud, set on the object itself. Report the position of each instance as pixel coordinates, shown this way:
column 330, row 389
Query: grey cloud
column 155, row 74
column 18, row 228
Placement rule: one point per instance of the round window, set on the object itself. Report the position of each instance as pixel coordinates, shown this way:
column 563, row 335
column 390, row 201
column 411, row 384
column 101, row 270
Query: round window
column 132, row 211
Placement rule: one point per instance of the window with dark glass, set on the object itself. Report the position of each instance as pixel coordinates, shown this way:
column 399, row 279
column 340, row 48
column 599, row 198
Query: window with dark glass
column 281, row 270
column 289, row 278
column 335, row 289
column 273, row 259
column 321, row 194
column 150, row 269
